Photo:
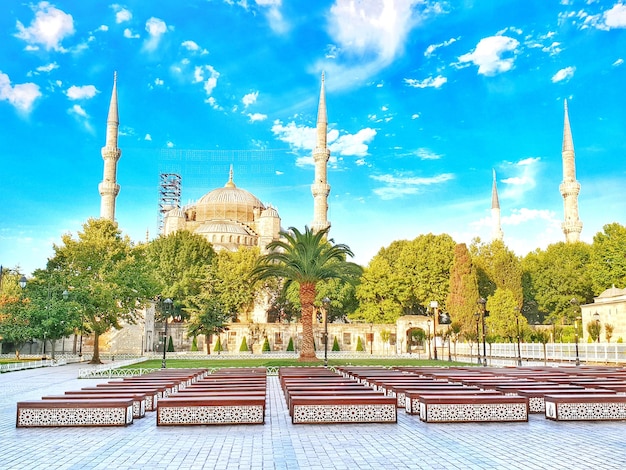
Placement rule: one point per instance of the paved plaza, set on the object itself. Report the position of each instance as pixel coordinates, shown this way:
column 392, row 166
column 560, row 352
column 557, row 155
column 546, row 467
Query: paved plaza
column 538, row 444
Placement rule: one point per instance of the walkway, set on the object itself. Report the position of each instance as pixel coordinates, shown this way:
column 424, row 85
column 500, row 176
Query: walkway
column 409, row 444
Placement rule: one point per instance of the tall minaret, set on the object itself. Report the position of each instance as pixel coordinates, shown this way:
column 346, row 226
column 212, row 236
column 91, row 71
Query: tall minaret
column 109, row 189
column 320, row 187
column 496, row 228
column 570, row 188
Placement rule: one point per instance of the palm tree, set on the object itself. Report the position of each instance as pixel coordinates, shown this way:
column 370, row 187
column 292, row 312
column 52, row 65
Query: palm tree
column 306, row 258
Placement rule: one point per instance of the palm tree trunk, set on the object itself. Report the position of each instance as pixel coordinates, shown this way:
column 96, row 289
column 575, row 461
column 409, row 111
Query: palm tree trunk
column 307, row 297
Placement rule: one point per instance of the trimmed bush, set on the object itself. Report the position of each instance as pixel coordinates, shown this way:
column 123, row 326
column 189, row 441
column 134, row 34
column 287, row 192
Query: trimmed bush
column 336, row 345
column 244, row 345
column 170, row 345
column 218, row 345
column 194, row 344
column 359, row 345
column 266, row 345
column 290, row 345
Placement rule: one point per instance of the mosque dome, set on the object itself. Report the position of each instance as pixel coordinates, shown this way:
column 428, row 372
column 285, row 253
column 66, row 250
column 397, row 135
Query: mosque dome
column 229, row 203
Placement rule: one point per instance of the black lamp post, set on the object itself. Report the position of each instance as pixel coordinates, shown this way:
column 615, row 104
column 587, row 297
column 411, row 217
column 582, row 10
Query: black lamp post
column 434, row 305
column 326, row 303
column 596, row 317
column 477, row 317
column 429, row 340
column 483, row 313
column 168, row 307
column 574, row 302
column 519, row 348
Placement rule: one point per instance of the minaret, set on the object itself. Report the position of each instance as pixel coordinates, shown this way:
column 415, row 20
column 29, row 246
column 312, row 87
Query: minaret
column 496, row 228
column 570, row 188
column 109, row 189
column 320, row 187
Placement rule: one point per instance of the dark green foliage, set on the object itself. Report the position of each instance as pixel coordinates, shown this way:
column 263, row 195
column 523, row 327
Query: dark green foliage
column 170, row 345
column 244, row 345
column 266, row 345
column 336, row 345
column 218, row 345
column 194, row 344
column 359, row 345
column 290, row 345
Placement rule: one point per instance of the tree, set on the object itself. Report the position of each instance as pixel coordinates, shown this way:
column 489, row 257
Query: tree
column 336, row 345
column 290, row 345
column 207, row 319
column 218, row 348
column 194, row 344
column 266, row 345
column 306, row 258
column 108, row 276
column 594, row 328
column 608, row 331
column 463, row 295
column 359, row 344
column 455, row 332
column 244, row 345
column 384, row 337
column 503, row 310
column 497, row 267
column 15, row 323
column 170, row 345
column 608, row 258
column 543, row 337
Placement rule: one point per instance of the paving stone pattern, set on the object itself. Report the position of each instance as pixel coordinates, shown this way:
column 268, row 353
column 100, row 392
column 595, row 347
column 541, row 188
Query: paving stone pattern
column 278, row 444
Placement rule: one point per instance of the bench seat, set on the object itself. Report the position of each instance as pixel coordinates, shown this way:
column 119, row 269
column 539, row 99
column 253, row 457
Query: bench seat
column 233, row 409
column 312, row 409
column 57, row 413
column 349, row 392
column 139, row 400
column 536, row 401
column 473, row 408
column 411, row 401
column 584, row 407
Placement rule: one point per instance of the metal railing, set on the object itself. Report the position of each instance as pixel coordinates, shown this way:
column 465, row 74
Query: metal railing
column 24, row 365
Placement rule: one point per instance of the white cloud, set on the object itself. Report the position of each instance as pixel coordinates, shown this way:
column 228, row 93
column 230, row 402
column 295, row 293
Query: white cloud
column 493, row 55
column 20, row 96
column 433, row 47
column 618, row 62
column 47, row 68
column 129, row 34
column 121, row 14
column 190, row 45
column 78, row 110
column 399, row 186
column 523, row 180
column 427, row 154
column 520, row 216
column 156, row 29
column 255, row 117
column 81, row 92
column 273, row 14
column 158, row 81
column 103, row 27
column 299, row 137
column 353, row 144
column 430, row 82
column 615, row 17
column 415, row 116
column 48, row 29
column 209, row 83
column 148, row 137
column 250, row 98
column 564, row 74
column 169, row 144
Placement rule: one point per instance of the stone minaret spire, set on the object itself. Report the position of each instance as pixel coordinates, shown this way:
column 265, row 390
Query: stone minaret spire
column 570, row 188
column 496, row 228
column 109, row 189
column 321, row 154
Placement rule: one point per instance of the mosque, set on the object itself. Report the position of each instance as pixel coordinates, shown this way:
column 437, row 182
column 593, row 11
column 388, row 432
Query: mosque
column 231, row 217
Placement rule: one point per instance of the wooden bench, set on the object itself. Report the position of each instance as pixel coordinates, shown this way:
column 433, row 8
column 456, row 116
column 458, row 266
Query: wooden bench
column 468, row 408
column 536, row 402
column 412, row 396
column 153, row 394
column 584, row 407
column 175, row 411
column 139, row 400
column 56, row 413
column 348, row 392
column 343, row 409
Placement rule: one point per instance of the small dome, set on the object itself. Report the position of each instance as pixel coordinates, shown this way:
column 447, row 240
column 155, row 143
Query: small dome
column 222, row 226
column 269, row 212
column 177, row 212
column 612, row 292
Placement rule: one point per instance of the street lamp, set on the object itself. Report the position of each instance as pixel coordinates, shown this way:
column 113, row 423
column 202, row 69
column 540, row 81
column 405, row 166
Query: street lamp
column 168, row 307
column 429, row 340
column 22, row 281
column 434, row 305
column 574, row 302
column 483, row 313
column 596, row 317
column 326, row 303
column 519, row 349
column 477, row 317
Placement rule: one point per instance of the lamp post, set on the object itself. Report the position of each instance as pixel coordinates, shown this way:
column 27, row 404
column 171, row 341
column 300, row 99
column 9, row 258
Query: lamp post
column 596, row 317
column 575, row 303
column 429, row 339
column 434, row 305
column 483, row 313
column 519, row 349
column 326, row 303
column 477, row 317
column 23, row 281
column 168, row 306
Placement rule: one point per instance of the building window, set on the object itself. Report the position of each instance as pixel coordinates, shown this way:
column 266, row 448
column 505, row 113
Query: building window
column 347, row 339
column 278, row 338
column 232, row 337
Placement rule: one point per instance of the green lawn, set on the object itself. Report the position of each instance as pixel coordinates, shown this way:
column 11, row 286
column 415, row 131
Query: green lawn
column 216, row 363
column 16, row 361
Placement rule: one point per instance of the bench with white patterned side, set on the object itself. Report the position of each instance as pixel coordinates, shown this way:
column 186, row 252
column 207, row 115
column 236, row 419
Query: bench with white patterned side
column 536, row 401
column 174, row 411
column 314, row 409
column 400, row 391
column 347, row 392
column 585, row 407
column 139, row 400
column 412, row 396
column 472, row 408
column 57, row 413
column 153, row 394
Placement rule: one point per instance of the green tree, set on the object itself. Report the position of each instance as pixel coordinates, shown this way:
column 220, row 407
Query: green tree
column 208, row 318
column 244, row 345
column 16, row 325
column 336, row 345
column 497, row 267
column 108, row 276
column 306, row 258
column 170, row 345
column 266, row 345
column 463, row 295
column 503, row 310
column 608, row 331
column 359, row 344
column 290, row 345
column 194, row 344
column 556, row 276
column 218, row 348
column 608, row 258
column 594, row 328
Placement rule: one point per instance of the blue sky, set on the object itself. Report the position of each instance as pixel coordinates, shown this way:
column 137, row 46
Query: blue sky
column 424, row 99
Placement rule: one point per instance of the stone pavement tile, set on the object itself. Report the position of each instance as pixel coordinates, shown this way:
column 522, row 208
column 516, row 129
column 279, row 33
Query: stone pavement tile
column 409, row 444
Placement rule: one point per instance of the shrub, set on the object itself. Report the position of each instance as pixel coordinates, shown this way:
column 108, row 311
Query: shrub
column 336, row 345
column 244, row 345
column 266, row 345
column 194, row 344
column 218, row 345
column 290, row 345
column 170, row 345
column 359, row 345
